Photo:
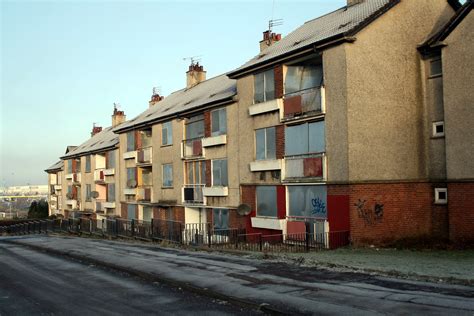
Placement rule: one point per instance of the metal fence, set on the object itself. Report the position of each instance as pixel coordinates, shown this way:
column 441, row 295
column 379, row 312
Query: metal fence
column 202, row 234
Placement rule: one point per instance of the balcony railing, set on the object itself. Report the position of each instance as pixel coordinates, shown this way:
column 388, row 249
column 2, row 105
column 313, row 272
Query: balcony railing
column 99, row 175
column 193, row 193
column 144, row 194
column 304, row 102
column 145, row 155
column 192, row 148
column 99, row 206
column 305, row 166
column 76, row 178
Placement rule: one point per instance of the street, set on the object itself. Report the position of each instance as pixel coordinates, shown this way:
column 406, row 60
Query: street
column 32, row 282
column 35, row 279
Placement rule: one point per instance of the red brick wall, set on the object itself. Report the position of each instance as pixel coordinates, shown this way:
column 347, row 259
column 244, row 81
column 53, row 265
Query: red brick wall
column 381, row 213
column 178, row 214
column 236, row 220
column 278, row 74
column 208, row 173
column 123, row 210
column 280, row 141
column 207, row 124
column 461, row 211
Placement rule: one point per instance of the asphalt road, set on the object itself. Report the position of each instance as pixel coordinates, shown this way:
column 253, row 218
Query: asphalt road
column 283, row 287
column 35, row 283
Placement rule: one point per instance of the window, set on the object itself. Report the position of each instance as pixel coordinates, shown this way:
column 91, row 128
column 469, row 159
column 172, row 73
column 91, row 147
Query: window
column 303, row 77
column 436, row 67
column 147, row 213
column 195, row 127
column 131, row 211
column 88, row 163
column 441, row 195
column 110, row 162
column 438, row 129
column 131, row 177
column 310, row 139
column 218, row 122
column 69, row 192
column 264, row 86
column 168, row 176
column 69, row 166
column 77, row 168
column 88, row 192
column 131, row 141
column 111, row 192
column 196, row 172
column 265, row 143
column 221, row 218
column 267, row 201
column 219, row 173
column 147, row 177
column 307, row 201
column 166, row 134
column 145, row 137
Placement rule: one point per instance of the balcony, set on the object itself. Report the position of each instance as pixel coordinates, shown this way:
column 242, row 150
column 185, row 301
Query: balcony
column 108, row 204
column 130, row 191
column 76, row 178
column 72, row 204
column 193, row 194
column 265, row 165
column 99, row 176
column 69, row 176
column 192, row 148
column 266, row 107
column 308, row 166
column 304, row 103
column 130, row 155
column 144, row 194
column 109, row 172
column 216, row 191
column 99, row 206
column 214, row 141
column 144, row 156
column 57, row 187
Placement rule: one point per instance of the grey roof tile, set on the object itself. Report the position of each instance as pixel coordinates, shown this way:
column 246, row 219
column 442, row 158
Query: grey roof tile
column 100, row 141
column 339, row 22
column 207, row 92
column 57, row 166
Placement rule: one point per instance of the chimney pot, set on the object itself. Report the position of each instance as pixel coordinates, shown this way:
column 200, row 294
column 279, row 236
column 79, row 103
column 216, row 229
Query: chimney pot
column 95, row 130
column 269, row 39
column 118, row 117
column 195, row 75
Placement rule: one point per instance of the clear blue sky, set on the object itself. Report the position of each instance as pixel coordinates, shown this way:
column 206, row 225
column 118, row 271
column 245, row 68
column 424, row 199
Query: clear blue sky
column 64, row 63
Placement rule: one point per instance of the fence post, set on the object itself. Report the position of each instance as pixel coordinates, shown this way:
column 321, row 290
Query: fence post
column 151, row 229
column 133, row 227
column 209, row 236
column 260, row 241
column 307, row 236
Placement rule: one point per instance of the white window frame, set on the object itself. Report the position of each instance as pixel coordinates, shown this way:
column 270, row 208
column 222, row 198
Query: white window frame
column 265, row 129
column 212, row 173
column 437, row 191
column 163, row 185
column 435, row 125
column 265, row 86
column 168, row 126
column 219, row 132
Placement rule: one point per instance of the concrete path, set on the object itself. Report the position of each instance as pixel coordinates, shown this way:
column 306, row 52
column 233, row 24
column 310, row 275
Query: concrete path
column 280, row 287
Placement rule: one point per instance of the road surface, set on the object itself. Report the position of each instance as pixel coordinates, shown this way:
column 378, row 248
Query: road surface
column 288, row 288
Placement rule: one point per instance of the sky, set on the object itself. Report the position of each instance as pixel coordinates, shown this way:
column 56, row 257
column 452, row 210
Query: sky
column 65, row 63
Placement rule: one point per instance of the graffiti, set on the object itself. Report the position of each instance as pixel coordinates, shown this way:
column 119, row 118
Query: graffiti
column 319, row 207
column 371, row 216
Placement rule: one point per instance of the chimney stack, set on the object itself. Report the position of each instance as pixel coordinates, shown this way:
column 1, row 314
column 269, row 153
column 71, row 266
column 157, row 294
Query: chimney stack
column 352, row 2
column 195, row 75
column 95, row 130
column 118, row 117
column 268, row 39
column 155, row 97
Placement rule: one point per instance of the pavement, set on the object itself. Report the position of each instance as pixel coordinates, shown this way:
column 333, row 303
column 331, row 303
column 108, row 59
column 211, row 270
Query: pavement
column 271, row 286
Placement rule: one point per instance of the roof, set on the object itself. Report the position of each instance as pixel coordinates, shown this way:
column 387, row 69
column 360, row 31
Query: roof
column 443, row 32
column 56, row 167
column 70, row 148
column 213, row 91
column 344, row 22
column 102, row 141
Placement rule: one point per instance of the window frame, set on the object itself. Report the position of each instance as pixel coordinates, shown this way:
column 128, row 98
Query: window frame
column 88, row 164
column 438, row 200
column 266, row 156
column 168, row 127
column 197, row 119
column 260, row 187
column 110, row 159
column 163, row 174
column 218, row 212
column 88, row 192
column 131, row 146
column 213, row 180
column 435, row 133
column 110, row 197
column 220, row 131
column 308, row 135
column 264, row 85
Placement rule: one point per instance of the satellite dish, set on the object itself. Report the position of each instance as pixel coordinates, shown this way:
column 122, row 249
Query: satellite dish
column 69, row 195
column 132, row 183
column 95, row 194
column 244, row 209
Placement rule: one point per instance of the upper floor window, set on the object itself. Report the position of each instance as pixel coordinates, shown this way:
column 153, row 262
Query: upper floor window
column 436, row 67
column 219, row 122
column 196, row 172
column 145, row 137
column 195, row 127
column 88, row 163
column 88, row 192
column 301, row 77
column 166, row 134
column 167, row 175
column 111, row 192
column 305, row 138
column 264, row 86
column 265, row 144
column 147, row 177
column 69, row 166
column 267, row 201
column 131, row 177
column 77, row 167
column 110, row 159
column 131, row 141
column 219, row 173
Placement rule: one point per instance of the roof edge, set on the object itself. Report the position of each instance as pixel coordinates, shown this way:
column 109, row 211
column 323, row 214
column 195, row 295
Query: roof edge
column 89, row 152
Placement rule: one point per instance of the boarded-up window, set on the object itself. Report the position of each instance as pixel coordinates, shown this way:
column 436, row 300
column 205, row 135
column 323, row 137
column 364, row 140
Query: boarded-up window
column 267, row 201
column 221, row 218
column 111, row 192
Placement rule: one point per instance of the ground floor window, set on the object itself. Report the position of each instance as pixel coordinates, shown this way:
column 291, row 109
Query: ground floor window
column 221, row 218
column 131, row 210
column 147, row 213
column 307, row 201
column 267, row 201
